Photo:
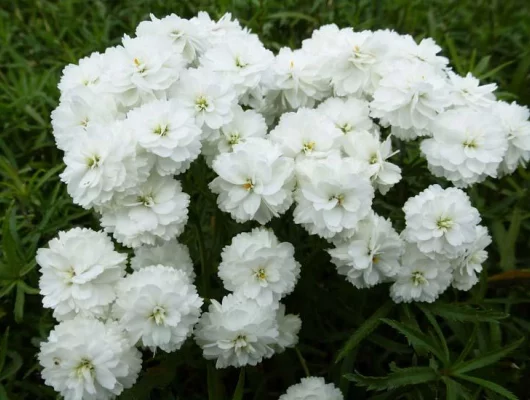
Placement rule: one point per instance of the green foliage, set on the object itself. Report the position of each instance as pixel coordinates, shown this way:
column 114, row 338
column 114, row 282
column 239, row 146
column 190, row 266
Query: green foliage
column 465, row 346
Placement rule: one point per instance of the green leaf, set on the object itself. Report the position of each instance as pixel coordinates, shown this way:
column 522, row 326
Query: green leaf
column 451, row 389
column 240, row 388
column 438, row 331
column 488, row 385
column 365, row 329
column 294, row 15
column 485, row 359
column 3, row 349
column 463, row 313
column 398, row 378
column 416, row 338
column 19, row 303
column 469, row 346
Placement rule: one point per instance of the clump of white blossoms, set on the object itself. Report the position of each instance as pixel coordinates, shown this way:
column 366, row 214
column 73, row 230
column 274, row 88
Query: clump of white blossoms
column 259, row 267
column 79, row 273
column 312, row 388
column 239, row 331
column 89, row 359
column 158, row 306
column 306, row 132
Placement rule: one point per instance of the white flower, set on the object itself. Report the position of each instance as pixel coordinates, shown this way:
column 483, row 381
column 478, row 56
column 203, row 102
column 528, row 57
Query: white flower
column 467, row 266
column 441, row 221
column 141, row 67
column 255, row 181
column 158, row 306
column 410, row 96
column 322, row 40
column 288, row 327
column 222, row 30
column 76, row 111
column 237, row 332
column 420, row 278
column 332, row 196
column 371, row 255
column 312, row 388
column 349, row 114
column 296, row 79
column 515, row 124
column 79, row 272
column 354, row 56
column 426, row 52
column 466, row 147
column 102, row 162
column 246, row 124
column 156, row 209
column 207, row 95
column 171, row 254
column 466, row 91
column 306, row 132
column 258, row 266
column 87, row 359
column 87, row 74
column 164, row 129
column 408, row 134
column 189, row 37
column 242, row 61
column 373, row 154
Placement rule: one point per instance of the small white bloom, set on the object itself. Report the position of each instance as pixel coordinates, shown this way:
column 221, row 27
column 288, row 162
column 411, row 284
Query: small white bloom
column 371, row 255
column 87, row 359
column 171, row 254
column 87, row 74
column 102, row 162
column 296, row 79
column 467, row 266
column 79, row 272
column 189, row 37
column 349, row 114
column 288, row 327
column 156, row 209
column 142, row 67
column 169, row 132
column 410, row 96
column 246, row 124
column 332, row 196
column 441, row 221
column 207, row 95
column 373, row 154
column 306, row 132
column 259, row 267
column 426, row 52
column 76, row 111
column 466, row 91
column 420, row 278
column 467, row 146
column 312, row 388
column 158, row 306
column 242, row 61
column 516, row 126
column 255, row 181
column 237, row 332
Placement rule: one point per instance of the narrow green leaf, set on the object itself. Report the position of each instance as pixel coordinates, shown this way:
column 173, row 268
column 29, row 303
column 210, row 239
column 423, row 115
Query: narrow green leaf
column 439, row 333
column 494, row 71
column 293, row 15
column 463, row 313
column 485, row 359
column 416, row 337
column 240, row 388
column 469, row 346
column 399, row 378
column 3, row 349
column 3, row 393
column 365, row 329
column 488, row 385
column 19, row 303
column 451, row 389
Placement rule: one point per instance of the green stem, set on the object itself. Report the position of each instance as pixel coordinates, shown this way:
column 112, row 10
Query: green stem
column 302, row 362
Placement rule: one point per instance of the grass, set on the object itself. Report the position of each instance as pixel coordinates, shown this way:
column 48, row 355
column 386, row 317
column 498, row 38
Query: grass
column 488, row 37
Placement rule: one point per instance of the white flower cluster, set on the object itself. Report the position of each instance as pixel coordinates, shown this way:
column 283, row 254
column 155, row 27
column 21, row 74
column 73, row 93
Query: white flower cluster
column 250, row 324
column 105, row 312
column 309, row 129
column 312, row 388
